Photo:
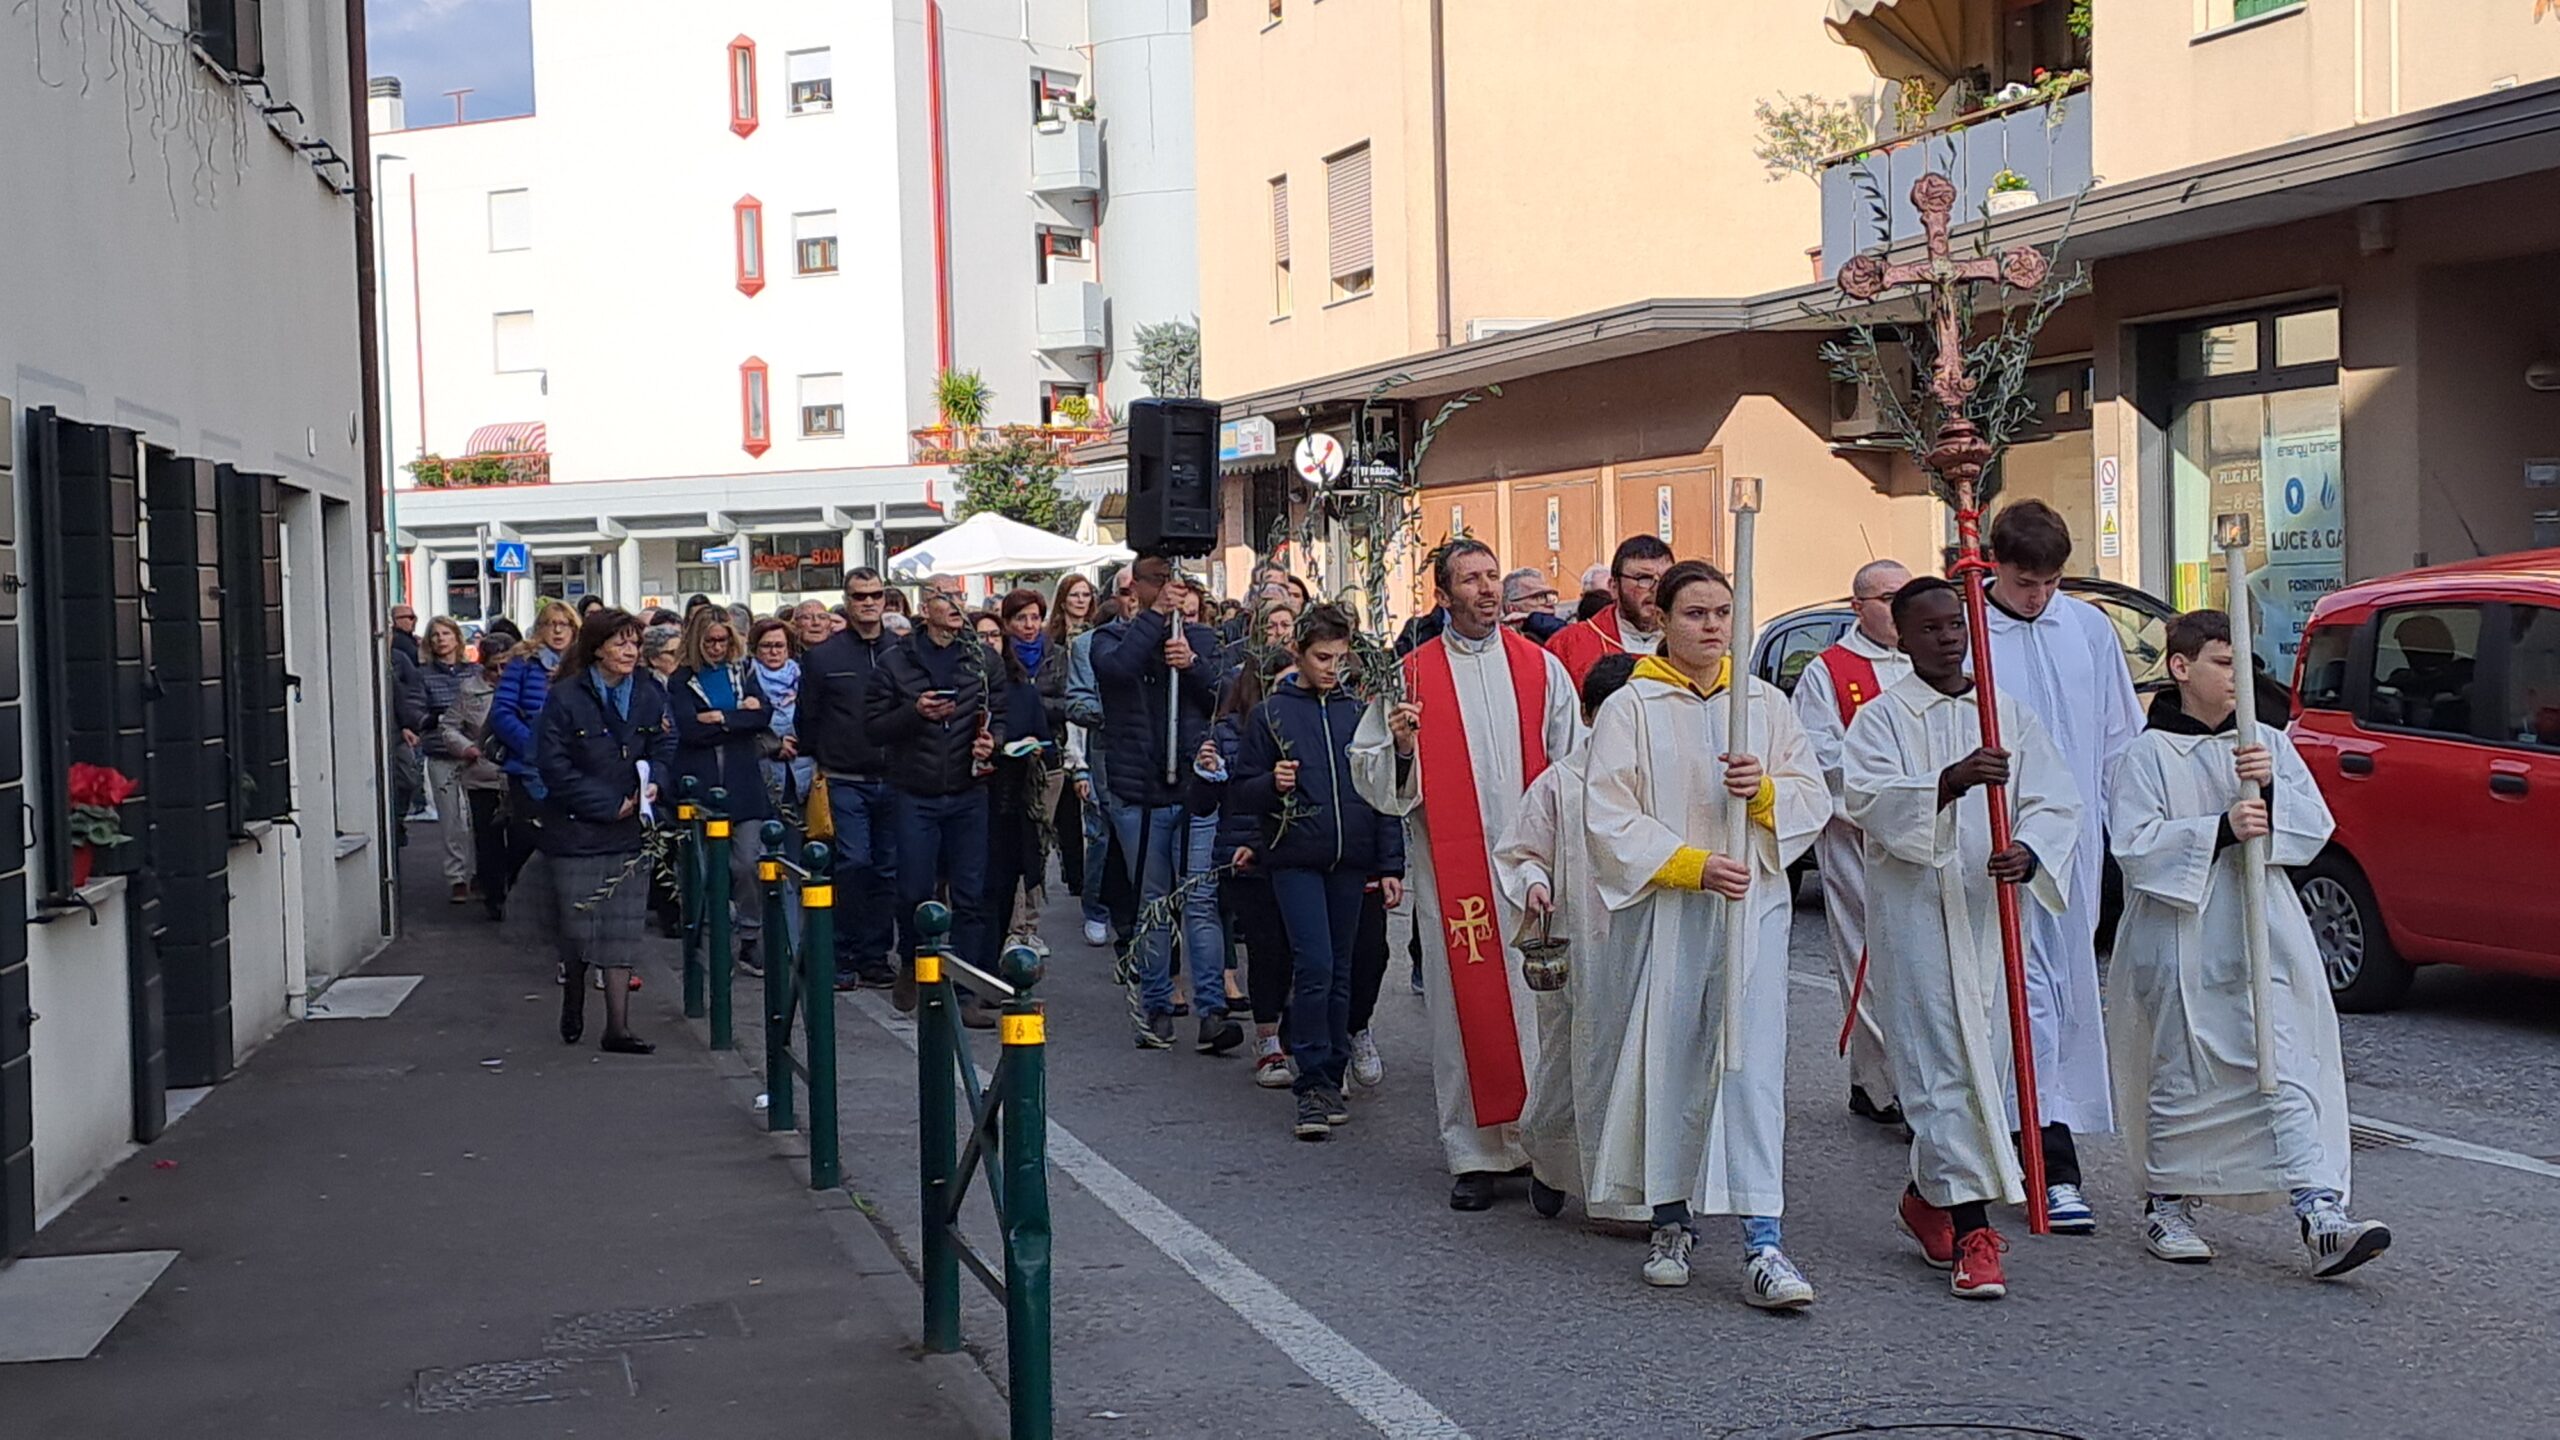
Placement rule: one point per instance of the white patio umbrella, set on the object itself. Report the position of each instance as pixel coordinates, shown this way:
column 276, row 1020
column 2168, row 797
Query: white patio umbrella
column 990, row 544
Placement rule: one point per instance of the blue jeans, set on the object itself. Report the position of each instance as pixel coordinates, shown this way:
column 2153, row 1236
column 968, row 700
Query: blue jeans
column 1152, row 843
column 1097, row 847
column 1321, row 911
column 1204, row 929
column 943, row 837
column 866, row 854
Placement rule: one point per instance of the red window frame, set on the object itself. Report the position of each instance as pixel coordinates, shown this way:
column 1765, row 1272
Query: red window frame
column 746, row 215
column 754, row 378
column 743, row 112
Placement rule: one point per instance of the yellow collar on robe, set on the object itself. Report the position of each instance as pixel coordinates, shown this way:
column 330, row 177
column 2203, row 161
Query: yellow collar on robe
column 1654, row 667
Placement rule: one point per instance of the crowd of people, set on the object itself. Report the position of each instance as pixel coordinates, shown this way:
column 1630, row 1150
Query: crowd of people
column 1237, row 796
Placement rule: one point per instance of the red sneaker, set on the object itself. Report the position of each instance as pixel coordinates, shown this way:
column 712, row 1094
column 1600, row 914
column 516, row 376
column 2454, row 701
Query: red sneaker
column 1977, row 1271
column 1931, row 1226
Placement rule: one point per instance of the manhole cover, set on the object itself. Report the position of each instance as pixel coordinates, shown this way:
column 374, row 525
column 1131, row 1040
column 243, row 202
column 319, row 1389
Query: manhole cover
column 534, row 1381
column 2367, row 1137
column 642, row 1325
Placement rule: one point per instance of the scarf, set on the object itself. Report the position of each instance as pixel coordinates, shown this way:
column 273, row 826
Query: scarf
column 616, row 694
column 781, row 690
column 549, row 657
column 1032, row 651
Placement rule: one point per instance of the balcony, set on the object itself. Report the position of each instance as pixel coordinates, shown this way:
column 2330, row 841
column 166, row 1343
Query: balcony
column 2045, row 142
column 953, row 444
column 1066, row 157
column 478, row 471
column 1070, row 316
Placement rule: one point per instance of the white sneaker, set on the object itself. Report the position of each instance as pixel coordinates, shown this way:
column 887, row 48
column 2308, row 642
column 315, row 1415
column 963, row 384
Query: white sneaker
column 2169, row 1231
column 1367, row 1067
column 2337, row 1242
column 1034, row 944
column 1271, row 1066
column 1667, row 1262
column 1096, row 933
column 1771, row 1281
column 2068, row 1212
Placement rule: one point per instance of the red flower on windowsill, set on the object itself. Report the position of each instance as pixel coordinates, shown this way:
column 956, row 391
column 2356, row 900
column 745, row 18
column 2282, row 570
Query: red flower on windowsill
column 101, row 785
column 96, row 791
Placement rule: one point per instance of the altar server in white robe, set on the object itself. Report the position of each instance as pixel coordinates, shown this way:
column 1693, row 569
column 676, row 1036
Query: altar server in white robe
column 1542, row 868
column 2181, row 1030
column 1911, row 772
column 2059, row 657
column 1486, row 711
column 1669, row 1119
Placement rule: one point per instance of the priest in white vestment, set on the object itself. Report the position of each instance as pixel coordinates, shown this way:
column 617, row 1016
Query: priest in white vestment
column 1912, row 775
column 1486, row 710
column 1668, row 1118
column 2182, row 1033
column 2059, row 657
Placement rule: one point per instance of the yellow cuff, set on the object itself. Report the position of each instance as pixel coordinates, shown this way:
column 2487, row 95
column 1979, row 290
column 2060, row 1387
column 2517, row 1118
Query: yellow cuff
column 1685, row 870
column 1763, row 808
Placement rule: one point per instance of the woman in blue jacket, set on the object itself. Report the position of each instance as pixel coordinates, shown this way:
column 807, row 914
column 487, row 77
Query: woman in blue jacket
column 722, row 718
column 514, row 711
column 600, row 723
column 1322, row 846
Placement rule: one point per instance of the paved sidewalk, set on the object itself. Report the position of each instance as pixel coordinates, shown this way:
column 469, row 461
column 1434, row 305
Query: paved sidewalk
column 445, row 1222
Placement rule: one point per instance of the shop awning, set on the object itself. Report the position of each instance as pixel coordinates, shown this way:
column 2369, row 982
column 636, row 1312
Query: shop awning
column 1906, row 38
column 509, row 437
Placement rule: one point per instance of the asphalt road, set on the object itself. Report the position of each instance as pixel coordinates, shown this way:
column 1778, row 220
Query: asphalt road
column 1216, row 1277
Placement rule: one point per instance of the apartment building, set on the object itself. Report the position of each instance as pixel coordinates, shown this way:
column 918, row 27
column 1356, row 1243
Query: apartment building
column 680, row 330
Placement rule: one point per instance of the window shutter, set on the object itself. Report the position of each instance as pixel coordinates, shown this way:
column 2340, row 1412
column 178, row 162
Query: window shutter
column 1346, row 182
column 1280, row 220
column 191, row 781
column 252, row 568
column 17, row 1069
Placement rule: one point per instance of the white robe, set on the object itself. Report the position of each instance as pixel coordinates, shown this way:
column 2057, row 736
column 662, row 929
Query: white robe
column 2066, row 666
column 2178, row 992
column 1543, row 846
column 1839, row 852
column 1491, row 714
column 1934, row 962
column 1662, row 1119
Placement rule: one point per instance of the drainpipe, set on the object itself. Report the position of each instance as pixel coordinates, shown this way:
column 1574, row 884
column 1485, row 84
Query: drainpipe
column 369, row 382
column 1440, row 176
column 935, row 145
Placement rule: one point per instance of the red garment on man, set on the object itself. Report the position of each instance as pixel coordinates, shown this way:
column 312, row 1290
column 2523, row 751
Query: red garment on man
column 1581, row 644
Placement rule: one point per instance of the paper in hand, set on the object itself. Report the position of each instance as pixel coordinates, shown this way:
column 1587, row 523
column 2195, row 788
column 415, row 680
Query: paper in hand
column 648, row 815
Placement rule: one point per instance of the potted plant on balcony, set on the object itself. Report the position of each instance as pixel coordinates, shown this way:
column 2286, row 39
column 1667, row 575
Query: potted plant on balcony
column 1080, row 109
column 2009, row 191
column 1073, row 410
column 96, row 791
column 1799, row 133
column 963, row 397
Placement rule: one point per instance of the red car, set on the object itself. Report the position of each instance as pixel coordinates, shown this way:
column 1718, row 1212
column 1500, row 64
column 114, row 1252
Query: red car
column 2427, row 706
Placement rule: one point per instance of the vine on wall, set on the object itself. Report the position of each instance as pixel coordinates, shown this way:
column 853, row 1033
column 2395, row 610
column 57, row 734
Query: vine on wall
column 173, row 102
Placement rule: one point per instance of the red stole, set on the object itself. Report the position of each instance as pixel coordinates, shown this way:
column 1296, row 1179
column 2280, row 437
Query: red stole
column 1462, row 862
column 1853, row 680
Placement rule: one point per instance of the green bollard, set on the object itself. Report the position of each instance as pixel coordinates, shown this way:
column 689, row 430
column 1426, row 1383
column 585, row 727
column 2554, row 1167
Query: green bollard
column 937, row 1131
column 715, row 900
column 778, row 1111
column 689, row 892
column 817, row 960
column 1025, row 1122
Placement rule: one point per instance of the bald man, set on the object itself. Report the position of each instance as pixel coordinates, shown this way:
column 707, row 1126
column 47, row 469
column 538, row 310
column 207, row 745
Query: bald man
column 1861, row 666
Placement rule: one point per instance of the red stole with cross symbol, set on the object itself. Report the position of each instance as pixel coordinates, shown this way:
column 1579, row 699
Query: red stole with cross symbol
column 1462, row 863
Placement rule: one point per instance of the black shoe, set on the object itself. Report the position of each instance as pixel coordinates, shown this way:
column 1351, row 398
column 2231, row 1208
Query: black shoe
column 1865, row 1108
column 1472, row 1191
column 1218, row 1034
column 497, row 910
column 1182, row 1008
column 1311, row 1124
column 902, row 989
column 626, row 1045
column 1156, row 1033
column 977, row 1015
column 747, row 961
column 1335, row 1111
column 573, row 1005
column 845, row 984
column 1544, row 1198
column 880, row 978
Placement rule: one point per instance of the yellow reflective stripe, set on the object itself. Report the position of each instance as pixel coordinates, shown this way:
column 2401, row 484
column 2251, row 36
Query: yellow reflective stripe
column 768, row 870
column 928, row 967
column 817, row 897
column 684, row 812
column 716, row 829
column 1022, row 1029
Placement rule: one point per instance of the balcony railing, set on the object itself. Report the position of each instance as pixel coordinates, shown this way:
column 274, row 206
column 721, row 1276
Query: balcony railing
column 1066, row 156
column 465, row 472
column 2045, row 142
column 953, row 444
column 1069, row 314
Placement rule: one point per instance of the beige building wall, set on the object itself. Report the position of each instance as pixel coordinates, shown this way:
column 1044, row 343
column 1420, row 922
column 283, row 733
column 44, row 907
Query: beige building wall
column 2176, row 84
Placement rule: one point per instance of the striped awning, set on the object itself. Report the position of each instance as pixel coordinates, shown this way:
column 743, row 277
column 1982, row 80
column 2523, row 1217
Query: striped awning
column 1927, row 39
column 511, row 437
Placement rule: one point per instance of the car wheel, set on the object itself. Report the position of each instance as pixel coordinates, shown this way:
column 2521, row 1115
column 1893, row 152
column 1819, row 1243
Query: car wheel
column 2365, row 973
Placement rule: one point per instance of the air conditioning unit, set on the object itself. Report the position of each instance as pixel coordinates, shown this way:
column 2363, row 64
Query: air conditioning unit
column 1483, row 329
column 1855, row 415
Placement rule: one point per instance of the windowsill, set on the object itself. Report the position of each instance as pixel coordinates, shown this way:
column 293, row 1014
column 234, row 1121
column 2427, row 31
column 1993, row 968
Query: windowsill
column 1276, row 319
column 1351, row 299
column 815, row 274
column 813, row 110
column 351, row 844
column 86, row 899
column 2252, row 23
column 1270, row 25
column 829, row 435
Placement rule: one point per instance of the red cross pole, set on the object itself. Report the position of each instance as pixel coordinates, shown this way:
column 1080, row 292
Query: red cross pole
column 1958, row 456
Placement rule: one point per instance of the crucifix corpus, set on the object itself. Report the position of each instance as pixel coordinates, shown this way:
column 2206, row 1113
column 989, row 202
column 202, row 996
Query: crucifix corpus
column 1959, row 455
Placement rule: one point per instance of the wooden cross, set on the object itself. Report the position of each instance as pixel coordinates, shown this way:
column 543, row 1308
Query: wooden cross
column 1866, row 277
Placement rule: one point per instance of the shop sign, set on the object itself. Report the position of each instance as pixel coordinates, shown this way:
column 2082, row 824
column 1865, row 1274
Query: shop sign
column 2306, row 539
column 2110, row 508
column 1251, row 438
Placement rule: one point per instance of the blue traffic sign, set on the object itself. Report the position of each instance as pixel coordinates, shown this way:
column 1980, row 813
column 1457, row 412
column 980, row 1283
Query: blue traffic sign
column 510, row 557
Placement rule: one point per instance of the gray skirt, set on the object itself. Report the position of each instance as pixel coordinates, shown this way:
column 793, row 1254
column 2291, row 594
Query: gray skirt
column 588, row 928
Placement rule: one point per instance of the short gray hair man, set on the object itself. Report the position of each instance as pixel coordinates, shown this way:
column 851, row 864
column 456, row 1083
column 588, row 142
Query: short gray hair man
column 1527, row 588
column 1871, row 593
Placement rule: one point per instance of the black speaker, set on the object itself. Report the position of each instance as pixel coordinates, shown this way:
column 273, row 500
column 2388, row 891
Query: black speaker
column 1173, row 476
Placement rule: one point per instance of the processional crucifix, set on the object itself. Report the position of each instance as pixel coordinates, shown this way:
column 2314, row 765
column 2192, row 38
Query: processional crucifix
column 1958, row 454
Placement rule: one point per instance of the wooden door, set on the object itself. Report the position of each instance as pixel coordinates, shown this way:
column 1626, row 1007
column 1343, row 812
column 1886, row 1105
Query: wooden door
column 1681, row 500
column 1555, row 526
column 1471, row 510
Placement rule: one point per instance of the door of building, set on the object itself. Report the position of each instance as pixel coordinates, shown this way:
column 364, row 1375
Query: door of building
column 1555, row 526
column 1679, row 499
column 1470, row 510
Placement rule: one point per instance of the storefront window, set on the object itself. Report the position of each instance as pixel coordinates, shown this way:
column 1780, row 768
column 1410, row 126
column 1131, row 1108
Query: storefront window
column 693, row 577
column 2050, row 460
column 2254, row 431
column 798, row 564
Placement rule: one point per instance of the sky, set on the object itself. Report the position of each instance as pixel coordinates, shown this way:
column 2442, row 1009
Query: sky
column 440, row 45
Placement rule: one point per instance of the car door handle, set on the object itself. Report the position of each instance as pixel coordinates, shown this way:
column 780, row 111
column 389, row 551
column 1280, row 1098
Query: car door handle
column 2355, row 764
column 2505, row 784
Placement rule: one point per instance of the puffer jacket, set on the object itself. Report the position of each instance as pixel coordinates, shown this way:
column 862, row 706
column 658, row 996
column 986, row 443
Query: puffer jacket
column 723, row 755
column 1330, row 827
column 931, row 758
column 1130, row 671
column 587, row 756
column 524, row 687
column 835, row 688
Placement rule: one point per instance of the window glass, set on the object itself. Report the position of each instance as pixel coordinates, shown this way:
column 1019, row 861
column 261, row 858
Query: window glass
column 2210, row 350
column 694, row 577
column 742, row 62
column 510, row 220
column 814, row 241
column 2309, row 338
column 809, row 563
column 2275, row 458
column 2324, row 667
column 811, row 74
column 2424, row 663
column 516, row 343
column 2143, row 637
column 2533, row 677
column 822, row 405
column 1794, row 648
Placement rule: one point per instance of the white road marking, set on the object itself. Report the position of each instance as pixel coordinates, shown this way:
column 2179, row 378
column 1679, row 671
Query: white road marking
column 1395, row 1408
column 2423, row 1141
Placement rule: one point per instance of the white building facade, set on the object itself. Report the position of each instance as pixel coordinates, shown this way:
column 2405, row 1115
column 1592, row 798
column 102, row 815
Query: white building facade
column 680, row 331
column 194, row 577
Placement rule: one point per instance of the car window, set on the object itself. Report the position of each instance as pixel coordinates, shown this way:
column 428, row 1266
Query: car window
column 2425, row 663
column 1793, row 648
column 2143, row 637
column 2533, row 677
column 2324, row 667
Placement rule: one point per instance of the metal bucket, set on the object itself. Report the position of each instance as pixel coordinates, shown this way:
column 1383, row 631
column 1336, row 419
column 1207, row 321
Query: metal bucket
column 1543, row 961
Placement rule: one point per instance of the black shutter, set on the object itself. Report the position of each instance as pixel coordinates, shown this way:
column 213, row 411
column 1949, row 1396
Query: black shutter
column 232, row 32
column 17, row 1086
column 252, row 621
column 191, row 785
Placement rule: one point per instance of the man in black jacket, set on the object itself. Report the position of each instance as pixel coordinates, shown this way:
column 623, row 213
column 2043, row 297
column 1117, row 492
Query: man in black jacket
column 1159, row 684
column 834, row 730
column 931, row 705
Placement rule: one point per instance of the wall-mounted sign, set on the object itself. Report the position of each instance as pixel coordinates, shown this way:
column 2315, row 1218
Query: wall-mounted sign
column 1251, row 438
column 1319, row 459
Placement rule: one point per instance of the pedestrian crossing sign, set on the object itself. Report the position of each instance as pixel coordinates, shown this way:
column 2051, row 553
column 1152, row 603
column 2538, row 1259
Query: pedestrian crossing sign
column 509, row 557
